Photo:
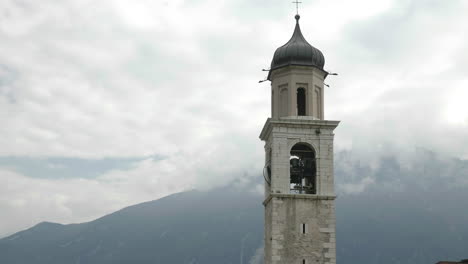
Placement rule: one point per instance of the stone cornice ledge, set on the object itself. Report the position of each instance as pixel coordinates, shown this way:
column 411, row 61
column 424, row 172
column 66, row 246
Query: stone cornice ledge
column 299, row 196
column 296, row 121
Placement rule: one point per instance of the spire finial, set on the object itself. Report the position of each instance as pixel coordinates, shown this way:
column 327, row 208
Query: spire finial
column 297, row 18
column 297, row 8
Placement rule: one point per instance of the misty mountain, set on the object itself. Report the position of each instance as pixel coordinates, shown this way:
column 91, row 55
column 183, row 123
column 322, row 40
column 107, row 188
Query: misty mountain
column 411, row 211
column 192, row 227
column 414, row 211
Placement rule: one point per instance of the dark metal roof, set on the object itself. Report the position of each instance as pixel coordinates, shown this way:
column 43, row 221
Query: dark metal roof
column 297, row 51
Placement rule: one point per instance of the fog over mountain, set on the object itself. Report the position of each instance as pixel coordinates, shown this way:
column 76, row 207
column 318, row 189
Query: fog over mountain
column 402, row 210
column 410, row 211
column 106, row 104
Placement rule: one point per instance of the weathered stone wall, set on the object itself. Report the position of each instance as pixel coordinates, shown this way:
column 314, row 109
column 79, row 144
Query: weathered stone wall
column 268, row 233
column 285, row 241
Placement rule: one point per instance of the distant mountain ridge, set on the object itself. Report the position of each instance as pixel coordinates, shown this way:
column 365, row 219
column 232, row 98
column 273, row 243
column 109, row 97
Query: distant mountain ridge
column 415, row 214
column 191, row 227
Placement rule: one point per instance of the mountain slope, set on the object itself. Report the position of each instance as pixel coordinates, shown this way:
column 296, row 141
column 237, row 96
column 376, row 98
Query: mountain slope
column 411, row 214
column 192, row 227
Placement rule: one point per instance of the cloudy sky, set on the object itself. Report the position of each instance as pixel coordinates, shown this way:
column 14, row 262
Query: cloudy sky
column 105, row 104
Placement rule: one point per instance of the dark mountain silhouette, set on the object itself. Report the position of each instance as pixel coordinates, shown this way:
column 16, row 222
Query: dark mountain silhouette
column 192, row 227
column 410, row 214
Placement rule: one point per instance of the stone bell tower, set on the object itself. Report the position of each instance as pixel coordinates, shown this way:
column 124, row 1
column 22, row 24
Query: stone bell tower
column 299, row 189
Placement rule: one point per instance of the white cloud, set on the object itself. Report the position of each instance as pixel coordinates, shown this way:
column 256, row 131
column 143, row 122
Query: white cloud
column 355, row 188
column 130, row 79
column 402, row 74
column 25, row 201
column 93, row 88
column 178, row 79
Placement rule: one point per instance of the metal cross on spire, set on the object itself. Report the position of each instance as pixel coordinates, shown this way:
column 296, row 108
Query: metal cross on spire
column 297, row 6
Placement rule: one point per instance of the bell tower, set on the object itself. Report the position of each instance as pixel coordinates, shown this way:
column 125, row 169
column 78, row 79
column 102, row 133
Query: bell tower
column 299, row 186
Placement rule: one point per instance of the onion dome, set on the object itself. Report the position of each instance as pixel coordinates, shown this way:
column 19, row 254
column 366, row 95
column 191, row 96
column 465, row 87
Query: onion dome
column 297, row 52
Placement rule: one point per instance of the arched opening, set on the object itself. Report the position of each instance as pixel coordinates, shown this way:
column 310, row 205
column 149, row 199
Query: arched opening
column 301, row 102
column 302, row 170
column 267, row 169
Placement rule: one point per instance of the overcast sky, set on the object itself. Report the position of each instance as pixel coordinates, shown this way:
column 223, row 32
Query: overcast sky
column 105, row 104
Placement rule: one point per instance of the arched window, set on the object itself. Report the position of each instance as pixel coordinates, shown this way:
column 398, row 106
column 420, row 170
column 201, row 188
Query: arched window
column 267, row 168
column 302, row 169
column 301, row 102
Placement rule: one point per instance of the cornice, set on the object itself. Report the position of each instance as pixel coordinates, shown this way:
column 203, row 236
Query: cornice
column 298, row 196
column 297, row 121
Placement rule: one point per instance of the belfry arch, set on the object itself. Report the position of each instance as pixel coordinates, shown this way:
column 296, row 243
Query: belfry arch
column 303, row 169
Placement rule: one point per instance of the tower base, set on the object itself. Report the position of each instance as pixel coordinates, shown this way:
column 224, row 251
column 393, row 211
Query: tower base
column 300, row 228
